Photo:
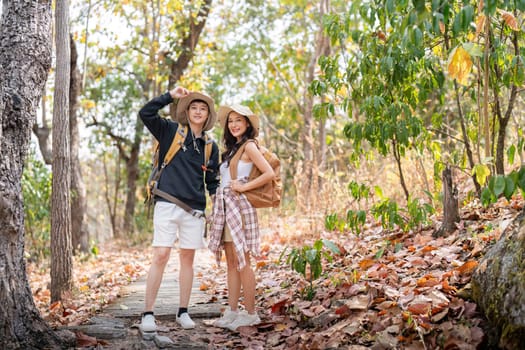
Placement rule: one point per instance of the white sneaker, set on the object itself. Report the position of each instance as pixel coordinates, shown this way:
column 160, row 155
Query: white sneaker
column 148, row 323
column 244, row 319
column 227, row 318
column 185, row 321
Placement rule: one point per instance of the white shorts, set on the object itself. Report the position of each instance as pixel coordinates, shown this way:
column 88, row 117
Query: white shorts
column 170, row 222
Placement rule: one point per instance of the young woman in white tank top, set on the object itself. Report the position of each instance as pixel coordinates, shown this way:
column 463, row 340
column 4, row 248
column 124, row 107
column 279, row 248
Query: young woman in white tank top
column 235, row 227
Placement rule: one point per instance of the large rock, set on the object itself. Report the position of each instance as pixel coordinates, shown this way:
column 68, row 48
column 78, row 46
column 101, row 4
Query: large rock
column 498, row 287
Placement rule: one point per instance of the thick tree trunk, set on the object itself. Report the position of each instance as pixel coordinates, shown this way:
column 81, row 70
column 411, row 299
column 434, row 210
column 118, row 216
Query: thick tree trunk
column 498, row 287
column 61, row 249
column 25, row 57
column 79, row 232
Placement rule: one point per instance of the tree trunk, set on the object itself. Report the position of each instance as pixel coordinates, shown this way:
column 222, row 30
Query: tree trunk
column 500, row 146
column 61, row 249
column 498, row 288
column 397, row 156
column 132, row 167
column 177, row 68
column 189, row 43
column 450, row 205
column 25, row 58
column 311, row 186
column 42, row 134
column 504, row 120
column 79, row 232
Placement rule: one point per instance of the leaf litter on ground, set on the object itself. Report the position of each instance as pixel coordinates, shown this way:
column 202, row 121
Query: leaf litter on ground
column 415, row 294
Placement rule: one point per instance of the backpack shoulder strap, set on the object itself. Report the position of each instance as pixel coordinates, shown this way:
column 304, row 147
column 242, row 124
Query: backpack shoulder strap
column 236, row 157
column 208, row 147
column 176, row 144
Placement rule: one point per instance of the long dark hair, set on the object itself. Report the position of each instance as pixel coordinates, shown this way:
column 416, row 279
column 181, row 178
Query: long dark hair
column 230, row 142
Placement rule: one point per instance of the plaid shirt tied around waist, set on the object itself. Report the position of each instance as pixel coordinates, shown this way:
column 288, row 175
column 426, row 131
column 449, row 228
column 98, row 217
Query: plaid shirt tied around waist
column 233, row 209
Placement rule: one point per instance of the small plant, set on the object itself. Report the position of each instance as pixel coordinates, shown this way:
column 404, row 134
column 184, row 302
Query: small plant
column 36, row 189
column 355, row 220
column 418, row 213
column 503, row 185
column 359, row 191
column 387, row 211
column 307, row 261
column 330, row 222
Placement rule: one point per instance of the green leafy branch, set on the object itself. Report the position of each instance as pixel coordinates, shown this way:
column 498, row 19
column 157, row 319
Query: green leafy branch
column 307, row 261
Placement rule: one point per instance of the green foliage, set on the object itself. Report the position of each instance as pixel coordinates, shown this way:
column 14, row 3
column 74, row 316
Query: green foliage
column 388, row 212
column 516, row 148
column 393, row 72
column 331, row 222
column 307, row 261
column 359, row 191
column 482, row 172
column 36, row 189
column 354, row 221
column 503, row 185
column 418, row 213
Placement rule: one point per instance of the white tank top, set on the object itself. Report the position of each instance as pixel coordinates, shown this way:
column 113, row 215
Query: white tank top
column 243, row 170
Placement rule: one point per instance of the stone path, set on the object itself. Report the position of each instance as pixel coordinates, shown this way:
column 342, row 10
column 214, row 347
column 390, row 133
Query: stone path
column 118, row 324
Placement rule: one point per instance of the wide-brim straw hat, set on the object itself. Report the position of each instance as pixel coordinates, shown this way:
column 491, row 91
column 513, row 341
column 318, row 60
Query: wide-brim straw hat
column 224, row 111
column 181, row 115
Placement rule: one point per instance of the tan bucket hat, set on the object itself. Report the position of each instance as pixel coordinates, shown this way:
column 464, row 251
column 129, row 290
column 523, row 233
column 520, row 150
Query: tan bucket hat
column 181, row 115
column 224, row 111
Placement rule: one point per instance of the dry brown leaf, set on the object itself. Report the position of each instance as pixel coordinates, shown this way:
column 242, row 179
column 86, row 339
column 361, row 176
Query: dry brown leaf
column 308, row 312
column 343, row 311
column 427, row 281
column 84, row 340
column 509, row 20
column 260, row 264
column 365, row 264
column 441, row 27
column 467, row 268
column 278, row 307
column 428, row 248
column 480, row 25
column 420, row 308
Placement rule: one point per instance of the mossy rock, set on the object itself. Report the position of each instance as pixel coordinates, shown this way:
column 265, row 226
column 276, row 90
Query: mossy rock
column 498, row 287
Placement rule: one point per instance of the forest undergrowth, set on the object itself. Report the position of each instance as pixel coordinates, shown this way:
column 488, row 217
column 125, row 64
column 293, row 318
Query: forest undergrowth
column 383, row 289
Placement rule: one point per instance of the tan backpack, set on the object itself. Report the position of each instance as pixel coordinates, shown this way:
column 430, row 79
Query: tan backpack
column 269, row 194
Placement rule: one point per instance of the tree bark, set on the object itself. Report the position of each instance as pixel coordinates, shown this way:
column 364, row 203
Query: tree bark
column 177, row 67
column 504, row 120
column 42, row 134
column 79, row 232
column 450, row 205
column 61, row 249
column 397, row 156
column 311, row 158
column 132, row 166
column 498, row 288
column 189, row 43
column 25, row 58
